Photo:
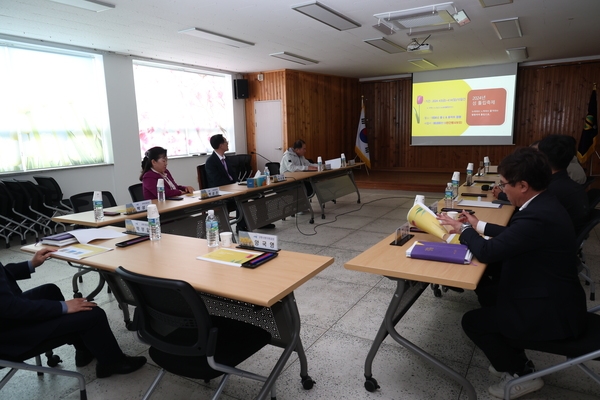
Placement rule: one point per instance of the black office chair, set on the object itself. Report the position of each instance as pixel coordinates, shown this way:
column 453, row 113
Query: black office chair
column 136, row 192
column 577, row 351
column 54, row 192
column 184, row 339
column 16, row 363
column 12, row 223
column 241, row 165
column 202, row 177
column 84, row 202
column 584, row 270
column 273, row 167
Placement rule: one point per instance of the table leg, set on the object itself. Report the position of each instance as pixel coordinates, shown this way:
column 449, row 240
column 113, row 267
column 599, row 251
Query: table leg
column 293, row 319
column 388, row 327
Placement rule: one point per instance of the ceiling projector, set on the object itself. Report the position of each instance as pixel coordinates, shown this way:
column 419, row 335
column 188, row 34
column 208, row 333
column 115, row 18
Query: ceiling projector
column 419, row 48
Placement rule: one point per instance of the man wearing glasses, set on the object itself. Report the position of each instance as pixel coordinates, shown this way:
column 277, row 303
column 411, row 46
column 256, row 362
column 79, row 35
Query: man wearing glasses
column 538, row 295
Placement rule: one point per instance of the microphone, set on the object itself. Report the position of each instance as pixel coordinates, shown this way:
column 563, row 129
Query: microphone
column 260, row 155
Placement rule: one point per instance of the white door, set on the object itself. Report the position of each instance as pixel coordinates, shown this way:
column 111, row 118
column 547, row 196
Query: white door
column 268, row 117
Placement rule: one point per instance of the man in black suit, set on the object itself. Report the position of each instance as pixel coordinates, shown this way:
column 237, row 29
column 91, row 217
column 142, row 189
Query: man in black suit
column 220, row 172
column 560, row 150
column 31, row 317
column 539, row 296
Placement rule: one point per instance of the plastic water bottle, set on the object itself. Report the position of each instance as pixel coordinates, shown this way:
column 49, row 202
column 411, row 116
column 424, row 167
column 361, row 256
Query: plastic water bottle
column 268, row 175
column 212, row 229
column 448, row 196
column 160, row 190
column 98, row 207
column 455, row 182
column 343, row 160
column 319, row 163
column 153, row 222
column 469, row 174
column 486, row 164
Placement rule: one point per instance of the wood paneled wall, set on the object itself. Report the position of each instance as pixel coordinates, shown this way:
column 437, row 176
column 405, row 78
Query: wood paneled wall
column 550, row 99
column 324, row 110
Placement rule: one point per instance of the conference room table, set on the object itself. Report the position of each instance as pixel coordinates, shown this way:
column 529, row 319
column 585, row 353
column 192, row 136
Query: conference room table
column 266, row 291
column 330, row 184
column 412, row 276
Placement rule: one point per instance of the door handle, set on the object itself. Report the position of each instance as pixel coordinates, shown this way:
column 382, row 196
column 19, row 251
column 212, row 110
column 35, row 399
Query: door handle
column 278, row 148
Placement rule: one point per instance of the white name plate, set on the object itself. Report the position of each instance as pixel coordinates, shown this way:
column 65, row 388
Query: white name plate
column 258, row 240
column 135, row 226
column 138, row 206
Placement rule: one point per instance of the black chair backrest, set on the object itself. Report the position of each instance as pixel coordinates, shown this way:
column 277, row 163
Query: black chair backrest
column 170, row 315
column 593, row 220
column 273, row 167
column 83, row 201
column 136, row 192
column 20, row 197
column 241, row 165
column 52, row 188
column 36, row 197
column 202, row 177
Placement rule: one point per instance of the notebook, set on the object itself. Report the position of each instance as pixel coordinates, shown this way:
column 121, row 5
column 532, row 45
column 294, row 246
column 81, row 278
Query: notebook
column 437, row 251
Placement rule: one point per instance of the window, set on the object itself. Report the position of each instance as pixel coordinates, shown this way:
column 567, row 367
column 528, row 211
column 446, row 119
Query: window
column 53, row 110
column 181, row 108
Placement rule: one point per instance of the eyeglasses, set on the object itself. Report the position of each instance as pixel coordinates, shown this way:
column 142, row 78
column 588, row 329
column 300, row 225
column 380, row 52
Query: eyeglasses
column 501, row 185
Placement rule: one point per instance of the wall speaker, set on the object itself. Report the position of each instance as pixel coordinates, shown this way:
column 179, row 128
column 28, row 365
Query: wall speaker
column 240, row 88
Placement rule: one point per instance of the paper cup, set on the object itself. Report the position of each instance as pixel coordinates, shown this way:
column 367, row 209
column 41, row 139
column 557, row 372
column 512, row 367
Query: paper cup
column 452, row 214
column 226, row 239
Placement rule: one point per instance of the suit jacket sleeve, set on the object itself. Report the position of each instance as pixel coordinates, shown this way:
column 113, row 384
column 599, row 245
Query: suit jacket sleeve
column 14, row 306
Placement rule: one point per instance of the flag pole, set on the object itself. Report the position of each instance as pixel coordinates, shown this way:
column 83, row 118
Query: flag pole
column 595, row 151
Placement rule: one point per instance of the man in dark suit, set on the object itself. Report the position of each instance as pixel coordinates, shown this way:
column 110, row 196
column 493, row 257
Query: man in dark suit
column 539, row 296
column 31, row 317
column 220, row 172
column 560, row 150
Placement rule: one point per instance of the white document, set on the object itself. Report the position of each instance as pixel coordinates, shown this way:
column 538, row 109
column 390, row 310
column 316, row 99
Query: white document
column 335, row 163
column 475, row 203
column 85, row 236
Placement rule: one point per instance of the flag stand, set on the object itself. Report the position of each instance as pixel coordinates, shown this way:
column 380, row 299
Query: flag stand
column 592, row 163
column 359, row 160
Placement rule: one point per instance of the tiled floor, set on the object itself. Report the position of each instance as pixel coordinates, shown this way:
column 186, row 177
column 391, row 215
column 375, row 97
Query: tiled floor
column 341, row 311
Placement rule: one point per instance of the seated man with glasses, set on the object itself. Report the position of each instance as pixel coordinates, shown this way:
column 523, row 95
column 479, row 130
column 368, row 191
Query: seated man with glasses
column 539, row 296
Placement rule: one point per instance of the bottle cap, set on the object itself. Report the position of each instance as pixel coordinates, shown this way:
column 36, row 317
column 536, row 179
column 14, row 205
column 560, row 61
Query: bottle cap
column 343, row 156
column 211, row 212
column 486, row 159
column 97, row 196
column 160, row 183
column 152, row 211
column 470, row 166
column 319, row 159
column 456, row 176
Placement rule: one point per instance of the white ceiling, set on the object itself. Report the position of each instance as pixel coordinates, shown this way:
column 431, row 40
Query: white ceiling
column 552, row 30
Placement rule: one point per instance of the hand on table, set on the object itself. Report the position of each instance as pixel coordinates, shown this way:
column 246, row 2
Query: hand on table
column 188, row 189
column 40, row 256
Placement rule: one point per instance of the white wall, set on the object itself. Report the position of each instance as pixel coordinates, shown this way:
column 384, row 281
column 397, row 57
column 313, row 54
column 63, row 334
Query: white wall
column 125, row 144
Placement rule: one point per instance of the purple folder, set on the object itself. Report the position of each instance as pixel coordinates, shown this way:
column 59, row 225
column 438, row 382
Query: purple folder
column 437, row 251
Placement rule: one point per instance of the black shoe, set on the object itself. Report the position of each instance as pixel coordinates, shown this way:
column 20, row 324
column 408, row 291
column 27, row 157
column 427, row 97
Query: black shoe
column 126, row 366
column 268, row 226
column 83, row 356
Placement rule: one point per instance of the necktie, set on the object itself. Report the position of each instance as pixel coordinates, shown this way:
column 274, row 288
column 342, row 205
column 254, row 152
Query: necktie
column 225, row 166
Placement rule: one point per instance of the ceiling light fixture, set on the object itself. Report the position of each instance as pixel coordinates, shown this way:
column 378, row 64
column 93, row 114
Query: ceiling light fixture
column 284, row 55
column 216, row 37
column 385, row 45
column 90, row 5
column 384, row 28
column 437, row 14
column 492, row 3
column 508, row 28
column 417, row 32
column 326, row 15
column 517, row 53
column 422, row 63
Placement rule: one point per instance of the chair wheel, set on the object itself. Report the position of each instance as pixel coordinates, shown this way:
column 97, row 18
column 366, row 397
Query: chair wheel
column 437, row 292
column 371, row 385
column 53, row 361
column 312, row 221
column 77, row 295
column 322, row 216
column 307, row 382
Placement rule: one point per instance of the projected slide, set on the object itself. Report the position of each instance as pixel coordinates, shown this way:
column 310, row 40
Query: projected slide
column 463, row 111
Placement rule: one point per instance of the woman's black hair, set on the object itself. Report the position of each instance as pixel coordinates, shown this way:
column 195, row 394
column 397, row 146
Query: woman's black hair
column 152, row 154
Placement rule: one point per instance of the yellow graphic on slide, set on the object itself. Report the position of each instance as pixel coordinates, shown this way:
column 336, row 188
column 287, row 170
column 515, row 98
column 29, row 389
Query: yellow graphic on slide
column 424, row 219
column 439, row 108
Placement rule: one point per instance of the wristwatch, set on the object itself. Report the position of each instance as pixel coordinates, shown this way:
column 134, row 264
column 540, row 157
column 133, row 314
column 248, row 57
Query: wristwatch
column 464, row 226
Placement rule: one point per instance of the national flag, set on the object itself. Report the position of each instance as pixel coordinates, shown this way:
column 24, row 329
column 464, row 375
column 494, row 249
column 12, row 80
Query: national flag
column 362, row 143
column 587, row 143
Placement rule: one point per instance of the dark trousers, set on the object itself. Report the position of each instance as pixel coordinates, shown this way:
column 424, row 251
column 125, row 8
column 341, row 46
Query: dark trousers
column 482, row 328
column 90, row 326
